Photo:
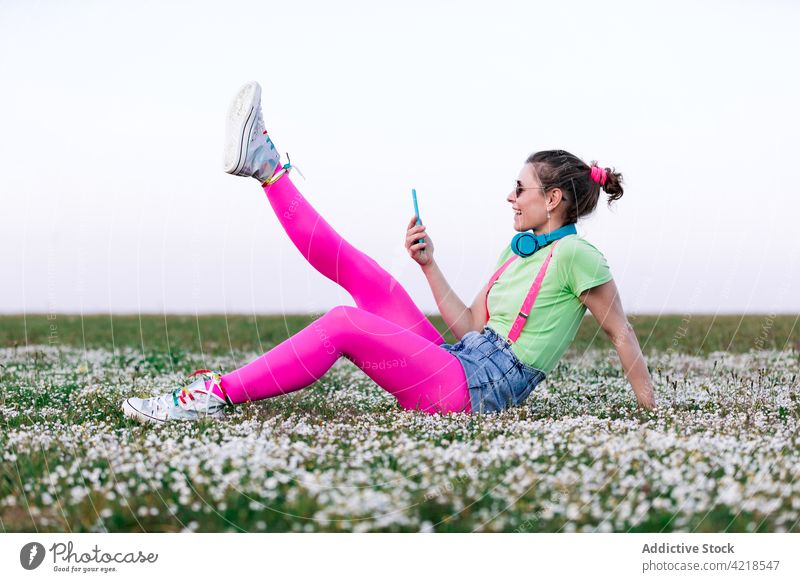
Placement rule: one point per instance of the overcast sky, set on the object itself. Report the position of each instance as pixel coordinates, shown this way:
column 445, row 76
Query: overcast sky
column 113, row 114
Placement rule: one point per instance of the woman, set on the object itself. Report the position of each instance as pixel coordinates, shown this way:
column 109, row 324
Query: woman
column 499, row 359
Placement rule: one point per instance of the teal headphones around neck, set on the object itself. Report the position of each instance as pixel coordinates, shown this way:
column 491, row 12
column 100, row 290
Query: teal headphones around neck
column 525, row 244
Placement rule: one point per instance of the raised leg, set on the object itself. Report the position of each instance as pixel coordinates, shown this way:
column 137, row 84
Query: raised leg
column 372, row 287
column 419, row 373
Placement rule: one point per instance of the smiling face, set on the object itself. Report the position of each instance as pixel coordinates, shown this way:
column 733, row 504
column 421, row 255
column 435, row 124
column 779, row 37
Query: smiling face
column 530, row 203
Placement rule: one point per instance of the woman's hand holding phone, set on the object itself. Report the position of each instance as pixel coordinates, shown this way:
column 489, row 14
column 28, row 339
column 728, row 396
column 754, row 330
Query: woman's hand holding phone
column 421, row 252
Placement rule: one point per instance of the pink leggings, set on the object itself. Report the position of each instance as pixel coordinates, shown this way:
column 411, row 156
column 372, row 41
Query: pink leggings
column 387, row 336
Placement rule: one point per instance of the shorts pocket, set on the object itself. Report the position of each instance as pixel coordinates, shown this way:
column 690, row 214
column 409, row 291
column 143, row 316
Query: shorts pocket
column 530, row 379
column 523, row 391
column 502, row 383
column 492, row 396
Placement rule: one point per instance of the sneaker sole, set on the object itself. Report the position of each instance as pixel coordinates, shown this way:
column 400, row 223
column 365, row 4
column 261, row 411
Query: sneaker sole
column 131, row 412
column 241, row 117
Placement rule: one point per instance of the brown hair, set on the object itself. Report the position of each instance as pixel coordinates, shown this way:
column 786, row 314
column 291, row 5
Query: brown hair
column 560, row 169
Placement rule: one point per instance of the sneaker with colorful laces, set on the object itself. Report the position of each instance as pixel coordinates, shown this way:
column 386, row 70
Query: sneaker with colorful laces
column 249, row 151
column 191, row 402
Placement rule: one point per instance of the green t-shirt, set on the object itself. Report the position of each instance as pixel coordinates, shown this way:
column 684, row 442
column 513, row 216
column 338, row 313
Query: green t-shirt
column 576, row 266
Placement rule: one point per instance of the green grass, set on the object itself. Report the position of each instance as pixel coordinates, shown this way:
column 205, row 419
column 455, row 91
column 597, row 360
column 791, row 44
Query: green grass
column 171, row 335
column 341, row 455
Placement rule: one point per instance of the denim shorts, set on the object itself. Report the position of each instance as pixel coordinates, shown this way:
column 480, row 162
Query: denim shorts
column 496, row 378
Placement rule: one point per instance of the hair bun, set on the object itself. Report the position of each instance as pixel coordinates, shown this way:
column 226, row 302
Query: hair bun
column 613, row 185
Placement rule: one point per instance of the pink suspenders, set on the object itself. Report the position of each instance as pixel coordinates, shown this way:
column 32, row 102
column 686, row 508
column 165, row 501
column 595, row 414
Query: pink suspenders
column 527, row 304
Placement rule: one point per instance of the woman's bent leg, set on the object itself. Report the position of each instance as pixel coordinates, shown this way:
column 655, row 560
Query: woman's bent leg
column 419, row 373
column 372, row 287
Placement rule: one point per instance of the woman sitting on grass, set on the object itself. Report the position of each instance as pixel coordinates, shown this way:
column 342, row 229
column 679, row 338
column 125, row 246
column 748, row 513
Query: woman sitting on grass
column 507, row 345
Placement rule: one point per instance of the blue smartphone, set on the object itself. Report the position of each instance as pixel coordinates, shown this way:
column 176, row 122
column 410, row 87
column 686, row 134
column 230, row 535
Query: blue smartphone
column 416, row 211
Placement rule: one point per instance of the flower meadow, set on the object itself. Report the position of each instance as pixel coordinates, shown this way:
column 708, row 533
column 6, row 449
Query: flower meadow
column 721, row 452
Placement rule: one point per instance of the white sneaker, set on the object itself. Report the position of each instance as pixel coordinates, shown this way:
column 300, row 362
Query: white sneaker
column 190, row 402
column 248, row 149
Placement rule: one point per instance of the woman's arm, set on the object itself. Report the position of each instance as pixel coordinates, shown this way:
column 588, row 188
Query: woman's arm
column 459, row 318
column 604, row 303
